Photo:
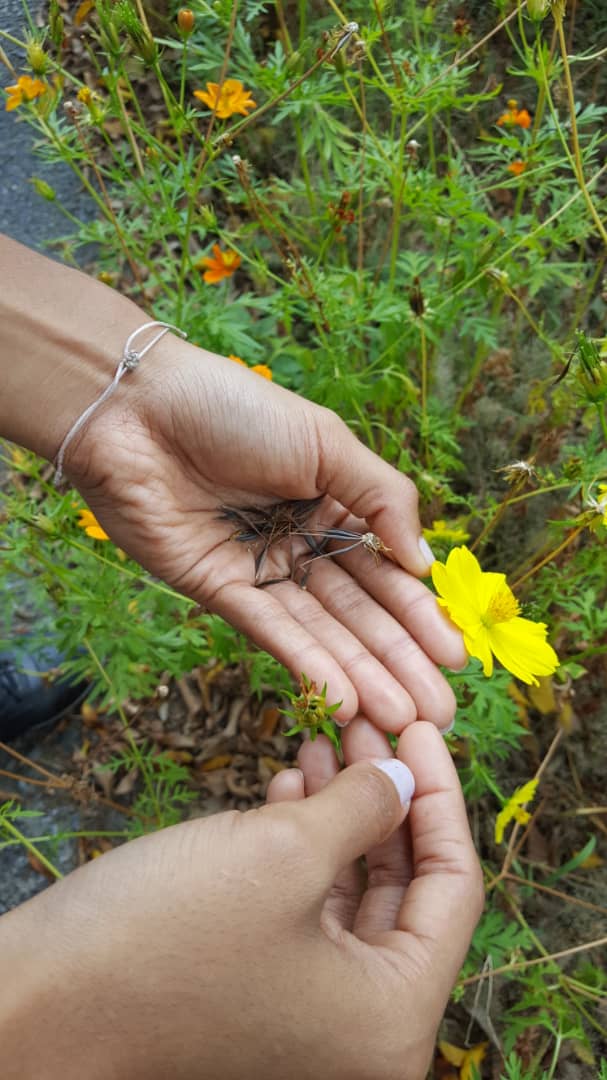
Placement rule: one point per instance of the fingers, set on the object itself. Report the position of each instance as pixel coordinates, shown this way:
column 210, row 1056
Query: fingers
column 286, row 786
column 319, row 764
column 262, row 616
column 409, row 601
column 389, row 864
column 385, row 638
column 359, row 809
column 381, row 696
column 373, row 490
column 445, row 898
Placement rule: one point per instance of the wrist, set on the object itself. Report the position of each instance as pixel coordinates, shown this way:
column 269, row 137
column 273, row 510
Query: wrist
column 61, row 338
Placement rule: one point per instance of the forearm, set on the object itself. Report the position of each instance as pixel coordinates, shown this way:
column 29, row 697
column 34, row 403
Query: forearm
column 61, row 337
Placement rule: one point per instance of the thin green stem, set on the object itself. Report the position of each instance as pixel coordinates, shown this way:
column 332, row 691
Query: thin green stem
column 135, row 750
column 602, row 418
column 579, row 166
column 29, row 846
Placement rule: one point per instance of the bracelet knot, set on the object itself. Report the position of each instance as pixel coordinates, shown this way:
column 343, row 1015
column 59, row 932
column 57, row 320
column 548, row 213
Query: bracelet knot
column 129, row 361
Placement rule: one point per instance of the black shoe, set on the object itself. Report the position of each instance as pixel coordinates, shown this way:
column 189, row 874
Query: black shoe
column 28, row 700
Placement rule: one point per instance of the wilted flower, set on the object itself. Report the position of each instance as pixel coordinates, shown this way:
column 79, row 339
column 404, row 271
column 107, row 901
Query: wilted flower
column 486, row 610
column 220, row 265
column 226, row 99
column 518, row 471
column 599, row 505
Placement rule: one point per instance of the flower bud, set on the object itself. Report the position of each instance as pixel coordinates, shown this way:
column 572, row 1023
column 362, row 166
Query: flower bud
column 185, row 20
column 43, row 189
column 591, row 370
column 538, row 9
column 55, row 22
column 36, row 57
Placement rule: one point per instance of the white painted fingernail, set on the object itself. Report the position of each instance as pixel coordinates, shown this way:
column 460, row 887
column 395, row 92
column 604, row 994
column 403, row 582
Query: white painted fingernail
column 400, row 775
column 340, row 723
column 426, row 551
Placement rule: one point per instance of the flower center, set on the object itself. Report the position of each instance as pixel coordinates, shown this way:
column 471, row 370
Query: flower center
column 503, row 606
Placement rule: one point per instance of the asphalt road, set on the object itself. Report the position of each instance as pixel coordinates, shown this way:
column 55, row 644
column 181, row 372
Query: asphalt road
column 24, row 214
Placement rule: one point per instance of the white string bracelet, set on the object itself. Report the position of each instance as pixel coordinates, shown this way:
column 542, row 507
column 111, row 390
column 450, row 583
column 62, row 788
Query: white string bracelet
column 130, row 361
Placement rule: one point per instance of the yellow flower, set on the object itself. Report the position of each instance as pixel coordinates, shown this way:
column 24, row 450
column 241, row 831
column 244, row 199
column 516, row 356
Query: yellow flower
column 467, row 1061
column 513, row 810
column 485, row 609
column 220, row 265
column 442, row 530
column 227, row 99
column 88, row 522
column 25, row 89
column 237, row 359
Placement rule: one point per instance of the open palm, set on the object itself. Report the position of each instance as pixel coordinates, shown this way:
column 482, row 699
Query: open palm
column 193, row 432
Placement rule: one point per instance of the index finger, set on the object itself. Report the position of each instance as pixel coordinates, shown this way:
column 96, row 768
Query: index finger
column 372, row 489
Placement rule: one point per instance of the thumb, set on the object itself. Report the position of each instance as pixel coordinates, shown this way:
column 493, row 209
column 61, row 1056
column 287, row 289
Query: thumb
column 359, row 808
column 372, row 489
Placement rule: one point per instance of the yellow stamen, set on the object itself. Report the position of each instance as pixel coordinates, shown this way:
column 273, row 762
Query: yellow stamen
column 502, row 607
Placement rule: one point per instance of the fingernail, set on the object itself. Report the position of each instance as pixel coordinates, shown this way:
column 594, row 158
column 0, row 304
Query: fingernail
column 400, row 775
column 426, row 551
column 448, row 730
column 340, row 723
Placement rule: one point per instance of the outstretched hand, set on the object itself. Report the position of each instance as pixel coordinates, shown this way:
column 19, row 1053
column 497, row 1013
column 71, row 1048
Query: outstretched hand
column 193, row 431
column 253, row 944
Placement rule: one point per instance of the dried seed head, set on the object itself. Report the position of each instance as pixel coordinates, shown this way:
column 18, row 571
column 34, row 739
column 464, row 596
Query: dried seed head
column 519, row 471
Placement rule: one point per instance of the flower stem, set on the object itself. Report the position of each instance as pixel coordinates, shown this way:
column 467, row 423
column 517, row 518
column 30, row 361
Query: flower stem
column 549, row 557
column 13, row 831
column 602, row 418
column 579, row 168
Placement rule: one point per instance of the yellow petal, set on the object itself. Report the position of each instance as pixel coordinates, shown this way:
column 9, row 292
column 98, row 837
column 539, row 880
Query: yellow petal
column 505, row 815
column 474, row 1057
column 453, row 1054
column 478, row 645
column 525, row 793
column 521, row 646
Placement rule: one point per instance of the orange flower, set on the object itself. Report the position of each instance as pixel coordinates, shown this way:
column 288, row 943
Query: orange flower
column 220, row 265
column 25, row 89
column 227, row 99
column 517, row 167
column 262, row 369
column 259, row 369
column 88, row 522
column 515, row 117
